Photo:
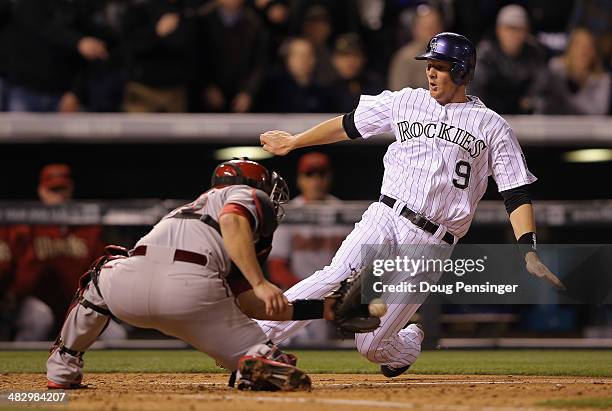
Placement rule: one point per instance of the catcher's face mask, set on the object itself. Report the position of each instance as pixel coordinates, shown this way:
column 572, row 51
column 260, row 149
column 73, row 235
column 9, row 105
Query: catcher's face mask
column 279, row 194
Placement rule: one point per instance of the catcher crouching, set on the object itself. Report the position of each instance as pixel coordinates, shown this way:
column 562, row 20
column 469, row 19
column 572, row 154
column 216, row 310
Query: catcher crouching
column 197, row 276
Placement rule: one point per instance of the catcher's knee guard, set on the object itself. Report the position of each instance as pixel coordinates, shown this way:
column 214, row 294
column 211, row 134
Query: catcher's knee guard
column 85, row 281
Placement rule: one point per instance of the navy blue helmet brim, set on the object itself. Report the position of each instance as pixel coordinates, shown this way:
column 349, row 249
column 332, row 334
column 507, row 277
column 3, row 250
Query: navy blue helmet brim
column 434, row 56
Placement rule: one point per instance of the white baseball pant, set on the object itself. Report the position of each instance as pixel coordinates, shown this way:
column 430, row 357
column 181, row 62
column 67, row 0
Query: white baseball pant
column 390, row 344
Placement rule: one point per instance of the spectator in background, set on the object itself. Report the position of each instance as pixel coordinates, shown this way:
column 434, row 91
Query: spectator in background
column 6, row 259
column 292, row 88
column 317, row 29
column 232, row 52
column 275, row 15
column 380, row 27
column 474, row 18
column 510, row 67
column 341, row 14
column 404, row 70
column 298, row 250
column 49, row 47
column 51, row 262
column 6, row 11
column 596, row 15
column 353, row 80
column 550, row 22
column 9, row 255
column 102, row 82
column 160, row 44
column 581, row 85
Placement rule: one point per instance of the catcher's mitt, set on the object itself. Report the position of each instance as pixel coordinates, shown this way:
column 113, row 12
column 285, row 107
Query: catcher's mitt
column 350, row 315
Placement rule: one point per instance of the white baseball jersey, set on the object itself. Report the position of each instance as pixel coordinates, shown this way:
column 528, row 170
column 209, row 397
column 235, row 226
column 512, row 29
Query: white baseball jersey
column 443, row 154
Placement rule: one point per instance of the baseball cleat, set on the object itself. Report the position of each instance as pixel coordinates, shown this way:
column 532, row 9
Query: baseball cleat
column 258, row 373
column 391, row 372
column 74, row 386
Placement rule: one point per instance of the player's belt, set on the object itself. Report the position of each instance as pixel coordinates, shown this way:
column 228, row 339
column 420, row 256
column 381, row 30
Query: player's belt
column 417, row 219
column 179, row 255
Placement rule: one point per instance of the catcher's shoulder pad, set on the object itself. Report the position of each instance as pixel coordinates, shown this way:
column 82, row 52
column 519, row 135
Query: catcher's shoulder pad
column 116, row 250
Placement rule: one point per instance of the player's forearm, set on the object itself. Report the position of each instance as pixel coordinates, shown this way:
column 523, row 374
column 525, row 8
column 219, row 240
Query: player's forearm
column 523, row 220
column 523, row 223
column 238, row 241
column 327, row 132
column 253, row 307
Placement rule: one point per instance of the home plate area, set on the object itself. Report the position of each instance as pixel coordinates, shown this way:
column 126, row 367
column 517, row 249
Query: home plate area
column 132, row 391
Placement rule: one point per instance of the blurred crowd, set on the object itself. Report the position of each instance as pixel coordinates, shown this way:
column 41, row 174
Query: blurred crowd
column 294, row 56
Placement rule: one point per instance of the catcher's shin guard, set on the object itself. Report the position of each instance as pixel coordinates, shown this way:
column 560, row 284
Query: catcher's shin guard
column 82, row 326
column 91, row 276
column 87, row 317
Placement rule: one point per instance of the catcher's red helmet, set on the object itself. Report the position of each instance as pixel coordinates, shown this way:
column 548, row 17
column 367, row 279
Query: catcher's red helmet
column 242, row 171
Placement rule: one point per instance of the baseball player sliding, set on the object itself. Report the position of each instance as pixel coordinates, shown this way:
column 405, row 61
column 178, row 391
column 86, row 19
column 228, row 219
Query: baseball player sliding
column 446, row 145
column 196, row 276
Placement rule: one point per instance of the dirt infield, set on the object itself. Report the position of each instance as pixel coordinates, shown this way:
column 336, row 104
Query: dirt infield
column 336, row 392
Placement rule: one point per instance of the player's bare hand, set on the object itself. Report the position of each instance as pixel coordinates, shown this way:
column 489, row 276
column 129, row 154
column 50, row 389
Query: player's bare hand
column 272, row 296
column 536, row 267
column 277, row 142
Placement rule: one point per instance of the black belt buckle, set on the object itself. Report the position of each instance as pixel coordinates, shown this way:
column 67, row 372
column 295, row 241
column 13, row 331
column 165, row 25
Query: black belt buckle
column 430, row 227
column 417, row 219
column 413, row 217
column 420, row 221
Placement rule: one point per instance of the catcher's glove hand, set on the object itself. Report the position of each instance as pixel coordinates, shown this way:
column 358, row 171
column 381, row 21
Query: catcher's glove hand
column 350, row 315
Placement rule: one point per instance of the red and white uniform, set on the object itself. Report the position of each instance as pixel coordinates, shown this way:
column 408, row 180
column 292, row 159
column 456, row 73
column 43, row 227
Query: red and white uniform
column 51, row 262
column 186, row 300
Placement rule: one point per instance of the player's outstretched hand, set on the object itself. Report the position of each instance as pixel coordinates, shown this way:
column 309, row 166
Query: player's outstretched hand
column 277, row 142
column 272, row 296
column 536, row 267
